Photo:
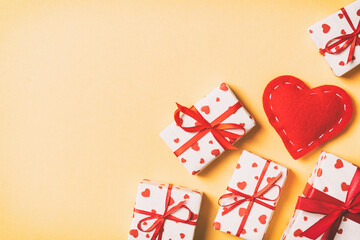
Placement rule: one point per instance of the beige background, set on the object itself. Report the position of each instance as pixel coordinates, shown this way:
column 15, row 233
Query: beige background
column 86, row 87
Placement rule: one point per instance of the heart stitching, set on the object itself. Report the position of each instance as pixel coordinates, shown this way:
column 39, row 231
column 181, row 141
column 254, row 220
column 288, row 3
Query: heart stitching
column 299, row 150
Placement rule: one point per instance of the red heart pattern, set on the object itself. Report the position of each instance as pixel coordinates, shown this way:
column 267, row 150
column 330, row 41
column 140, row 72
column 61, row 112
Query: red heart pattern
column 215, row 152
column 205, row 109
column 223, row 87
column 195, row 147
column 338, row 164
column 305, row 118
column 241, row 185
column 146, row 193
column 325, row 27
column 134, row 233
column 217, row 225
column 262, row 219
column 344, row 186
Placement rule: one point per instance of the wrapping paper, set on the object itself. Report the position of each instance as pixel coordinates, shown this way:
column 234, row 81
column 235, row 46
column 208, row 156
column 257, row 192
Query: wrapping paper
column 206, row 149
column 334, row 26
column 252, row 174
column 151, row 198
column 331, row 175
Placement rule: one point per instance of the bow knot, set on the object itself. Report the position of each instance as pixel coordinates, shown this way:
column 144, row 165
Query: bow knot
column 256, row 197
column 316, row 201
column 342, row 42
column 158, row 225
column 202, row 126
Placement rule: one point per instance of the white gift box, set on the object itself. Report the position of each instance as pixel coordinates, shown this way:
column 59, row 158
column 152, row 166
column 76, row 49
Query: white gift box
column 254, row 178
column 201, row 152
column 331, row 176
column 339, row 24
column 156, row 201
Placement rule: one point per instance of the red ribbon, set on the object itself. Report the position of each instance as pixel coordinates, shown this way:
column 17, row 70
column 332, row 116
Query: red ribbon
column 202, row 127
column 256, row 197
column 160, row 219
column 347, row 40
column 315, row 201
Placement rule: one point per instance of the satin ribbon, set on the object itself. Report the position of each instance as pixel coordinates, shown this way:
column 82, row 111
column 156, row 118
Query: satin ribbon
column 316, row 201
column 158, row 224
column 255, row 198
column 347, row 40
column 202, row 127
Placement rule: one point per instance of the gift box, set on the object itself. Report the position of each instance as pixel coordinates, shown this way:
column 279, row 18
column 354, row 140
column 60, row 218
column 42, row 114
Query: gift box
column 329, row 207
column 337, row 39
column 204, row 131
column 164, row 211
column 251, row 197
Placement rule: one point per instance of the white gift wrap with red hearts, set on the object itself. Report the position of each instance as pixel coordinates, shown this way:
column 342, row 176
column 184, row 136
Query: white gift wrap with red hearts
column 333, row 26
column 214, row 104
column 245, row 179
column 331, row 175
column 151, row 196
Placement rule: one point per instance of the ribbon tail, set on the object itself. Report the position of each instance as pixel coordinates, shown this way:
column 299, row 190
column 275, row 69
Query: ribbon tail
column 352, row 50
column 322, row 226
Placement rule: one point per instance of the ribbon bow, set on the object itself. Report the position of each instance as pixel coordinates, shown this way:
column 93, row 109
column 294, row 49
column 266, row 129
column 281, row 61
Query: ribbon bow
column 158, row 224
column 256, row 197
column 319, row 202
column 347, row 40
column 202, row 127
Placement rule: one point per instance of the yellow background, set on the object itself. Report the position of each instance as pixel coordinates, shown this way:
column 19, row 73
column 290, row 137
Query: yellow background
column 86, row 87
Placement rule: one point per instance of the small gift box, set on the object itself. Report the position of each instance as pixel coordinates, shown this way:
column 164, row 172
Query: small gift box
column 207, row 129
column 251, row 197
column 330, row 205
column 164, row 211
column 337, row 38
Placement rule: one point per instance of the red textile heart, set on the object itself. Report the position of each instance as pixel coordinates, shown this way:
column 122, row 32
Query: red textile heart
column 305, row 118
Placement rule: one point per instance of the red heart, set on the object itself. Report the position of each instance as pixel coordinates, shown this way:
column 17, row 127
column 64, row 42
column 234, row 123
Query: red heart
column 340, row 15
column 319, row 172
column 305, row 218
column 262, row 219
column 202, row 161
column 186, row 196
column 183, row 160
column 238, row 166
column 344, row 186
column 215, row 152
column 254, row 165
column 182, row 235
column 343, row 32
column 176, row 140
column 134, row 233
column 326, row 28
column 211, row 142
column 325, row 189
column 341, row 63
column 195, row 146
column 242, row 212
column 223, row 87
column 338, row 164
column 217, row 99
column 205, row 109
column 305, row 118
column 146, row 193
column 243, row 231
column 241, row 185
column 217, row 225
column 255, row 229
column 340, row 231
